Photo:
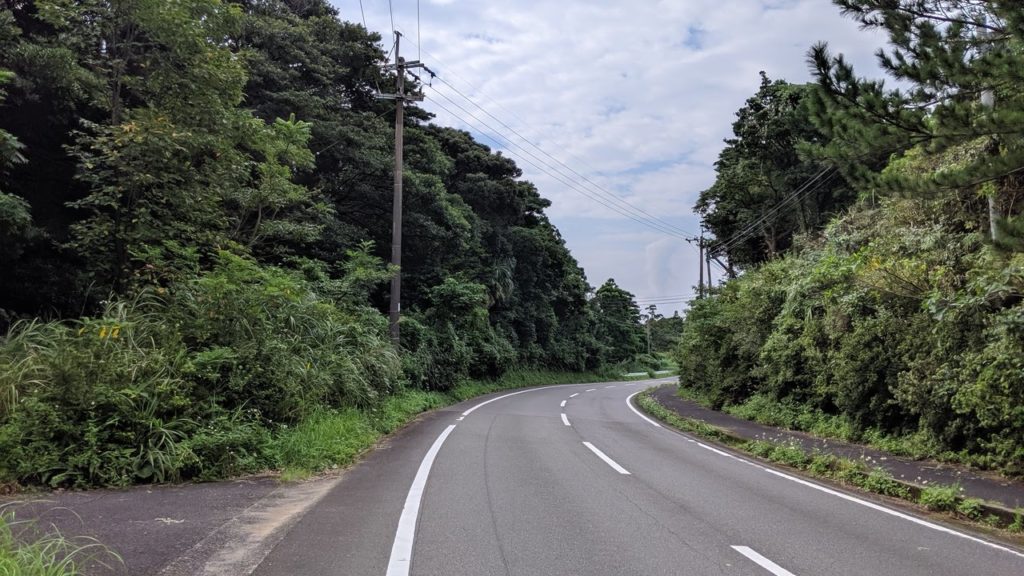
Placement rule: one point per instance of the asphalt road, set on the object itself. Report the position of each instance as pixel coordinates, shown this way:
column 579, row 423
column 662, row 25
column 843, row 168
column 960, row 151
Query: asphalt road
column 570, row 480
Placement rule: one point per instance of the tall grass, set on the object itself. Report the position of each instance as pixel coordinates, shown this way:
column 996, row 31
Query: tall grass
column 189, row 383
column 26, row 552
column 335, row 438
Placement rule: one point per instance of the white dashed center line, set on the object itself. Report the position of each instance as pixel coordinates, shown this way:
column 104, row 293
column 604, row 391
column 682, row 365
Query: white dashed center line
column 565, row 420
column 762, row 561
column 606, row 459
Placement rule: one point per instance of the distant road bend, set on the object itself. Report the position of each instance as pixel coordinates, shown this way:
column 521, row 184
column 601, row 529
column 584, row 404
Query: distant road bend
column 572, row 480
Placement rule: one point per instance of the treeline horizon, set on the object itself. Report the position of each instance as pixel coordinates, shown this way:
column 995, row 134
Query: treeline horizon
column 195, row 216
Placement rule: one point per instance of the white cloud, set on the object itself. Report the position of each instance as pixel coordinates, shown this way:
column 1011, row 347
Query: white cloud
column 635, row 95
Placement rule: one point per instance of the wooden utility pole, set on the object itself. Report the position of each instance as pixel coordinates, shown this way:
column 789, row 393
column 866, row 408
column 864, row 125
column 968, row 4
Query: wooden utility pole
column 700, row 265
column 395, row 311
column 707, row 260
column 400, row 66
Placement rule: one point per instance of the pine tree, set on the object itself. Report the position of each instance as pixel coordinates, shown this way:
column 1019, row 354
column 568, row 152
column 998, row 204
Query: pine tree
column 956, row 57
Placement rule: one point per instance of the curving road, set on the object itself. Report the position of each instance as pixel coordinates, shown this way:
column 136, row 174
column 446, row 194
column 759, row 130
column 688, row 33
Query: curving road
column 572, row 480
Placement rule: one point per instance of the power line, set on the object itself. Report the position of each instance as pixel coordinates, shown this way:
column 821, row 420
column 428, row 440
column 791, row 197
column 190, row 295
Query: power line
column 667, row 298
column 361, row 11
column 392, row 13
column 502, row 107
column 751, row 228
column 593, row 186
column 661, row 297
column 550, row 170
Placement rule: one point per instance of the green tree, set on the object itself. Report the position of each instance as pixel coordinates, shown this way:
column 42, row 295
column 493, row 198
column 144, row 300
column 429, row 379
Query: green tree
column 617, row 322
column 759, row 200
column 666, row 332
column 179, row 161
column 961, row 61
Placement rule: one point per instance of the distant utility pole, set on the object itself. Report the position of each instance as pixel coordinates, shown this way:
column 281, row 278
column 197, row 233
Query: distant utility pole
column 651, row 311
column 400, row 98
column 700, row 266
column 707, row 261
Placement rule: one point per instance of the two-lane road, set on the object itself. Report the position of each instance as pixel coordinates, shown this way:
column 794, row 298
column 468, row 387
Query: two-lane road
column 572, row 480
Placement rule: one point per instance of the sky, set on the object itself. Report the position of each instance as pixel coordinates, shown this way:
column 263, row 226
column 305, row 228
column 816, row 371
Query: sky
column 612, row 103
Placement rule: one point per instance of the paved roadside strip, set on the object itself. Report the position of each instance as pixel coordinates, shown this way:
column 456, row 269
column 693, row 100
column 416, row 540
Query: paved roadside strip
column 975, row 484
column 190, row 529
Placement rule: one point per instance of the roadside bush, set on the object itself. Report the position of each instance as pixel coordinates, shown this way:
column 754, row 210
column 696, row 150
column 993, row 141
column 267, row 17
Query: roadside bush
column 263, row 340
column 186, row 384
column 899, row 326
column 101, row 401
column 454, row 339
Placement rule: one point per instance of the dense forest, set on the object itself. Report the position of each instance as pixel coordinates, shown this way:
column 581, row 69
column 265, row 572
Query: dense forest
column 195, row 211
column 881, row 243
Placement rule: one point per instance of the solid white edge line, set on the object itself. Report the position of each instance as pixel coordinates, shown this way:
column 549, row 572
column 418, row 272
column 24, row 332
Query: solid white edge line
column 606, row 459
column 895, row 513
column 762, row 561
column 401, row 550
column 855, row 500
column 574, row 395
column 629, row 402
column 565, row 420
column 563, row 403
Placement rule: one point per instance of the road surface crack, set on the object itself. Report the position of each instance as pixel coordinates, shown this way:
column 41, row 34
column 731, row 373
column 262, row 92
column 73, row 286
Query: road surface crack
column 490, row 501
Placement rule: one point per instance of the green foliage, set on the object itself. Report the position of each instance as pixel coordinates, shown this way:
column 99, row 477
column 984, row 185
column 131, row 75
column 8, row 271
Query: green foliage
column 767, row 162
column 896, row 324
column 665, row 332
column 898, row 327
column 881, row 482
column 939, row 498
column 266, row 341
column 960, row 63
column 617, row 323
column 1017, row 526
column 185, row 385
column 324, row 440
column 970, row 508
column 24, row 552
column 196, row 200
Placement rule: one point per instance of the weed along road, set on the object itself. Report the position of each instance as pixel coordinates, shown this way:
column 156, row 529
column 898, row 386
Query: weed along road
column 573, row 480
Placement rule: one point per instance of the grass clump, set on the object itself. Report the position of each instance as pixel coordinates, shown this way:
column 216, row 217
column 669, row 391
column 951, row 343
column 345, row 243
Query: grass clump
column 971, row 508
column 939, row 498
column 26, row 552
column 1017, row 526
column 651, row 406
column 325, row 439
column 881, row 482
